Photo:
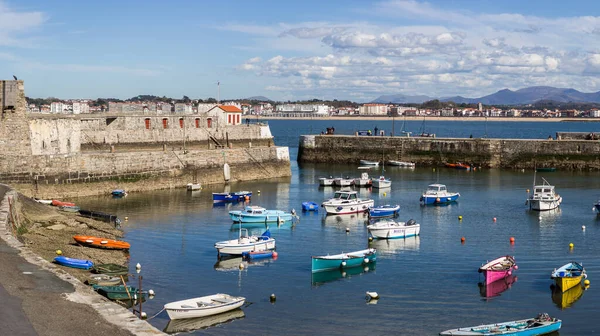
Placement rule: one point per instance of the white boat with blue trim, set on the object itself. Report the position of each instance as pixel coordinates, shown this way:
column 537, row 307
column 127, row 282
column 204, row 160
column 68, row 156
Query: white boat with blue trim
column 256, row 214
column 390, row 229
column 540, row 325
column 346, row 201
column 438, row 194
column 246, row 243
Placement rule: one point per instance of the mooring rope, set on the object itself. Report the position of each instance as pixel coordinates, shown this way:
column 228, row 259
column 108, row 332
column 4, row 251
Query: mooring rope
column 155, row 315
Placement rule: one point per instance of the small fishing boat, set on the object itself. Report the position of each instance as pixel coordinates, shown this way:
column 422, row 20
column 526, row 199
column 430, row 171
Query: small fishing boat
column 74, row 263
column 344, row 260
column 191, row 324
column 544, row 197
column 118, row 193
column 384, row 211
column 539, row 325
column 498, row 268
column 343, row 182
column 110, row 269
column 119, row 292
column 203, row 306
column 97, row 215
column 390, row 229
column 60, row 203
column 326, row 181
column 369, row 163
column 102, row 242
column 193, row 186
column 246, row 243
column 496, row 288
column 382, row 182
column 438, row 194
column 237, row 196
column 363, row 181
column 252, row 255
column 545, row 169
column 568, row 276
column 401, row 164
column 69, row 208
column 103, row 280
column 310, row 206
column 345, row 201
column 256, row 214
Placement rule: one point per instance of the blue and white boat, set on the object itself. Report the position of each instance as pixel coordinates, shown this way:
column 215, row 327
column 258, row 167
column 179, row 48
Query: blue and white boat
column 237, row 196
column 310, row 206
column 384, row 211
column 246, row 243
column 540, row 325
column 344, row 260
column 74, row 263
column 390, row 229
column 256, row 214
column 437, row 194
column 119, row 193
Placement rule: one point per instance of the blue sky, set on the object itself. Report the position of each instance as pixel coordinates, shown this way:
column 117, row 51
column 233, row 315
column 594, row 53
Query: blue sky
column 292, row 50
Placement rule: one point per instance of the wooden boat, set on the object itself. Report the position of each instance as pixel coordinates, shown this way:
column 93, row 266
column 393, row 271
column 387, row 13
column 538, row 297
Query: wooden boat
column 369, row 163
column 539, row 325
column 256, row 214
column 310, row 206
column 74, row 263
column 60, row 203
column 191, row 324
column 346, row 201
column 203, row 306
column 238, row 196
column 326, row 181
column 544, row 197
column 384, row 211
column 498, row 268
column 401, row 164
column 566, row 299
column 437, row 194
column 110, row 269
column 119, row 292
column 102, row 242
column 193, row 186
column 390, row 229
column 568, row 275
column 496, row 288
column 118, row 193
column 363, row 181
column 103, row 280
column 246, row 243
column 545, row 169
column 344, row 260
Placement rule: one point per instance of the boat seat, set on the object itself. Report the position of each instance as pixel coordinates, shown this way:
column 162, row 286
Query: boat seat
column 201, row 304
column 187, row 306
column 221, row 300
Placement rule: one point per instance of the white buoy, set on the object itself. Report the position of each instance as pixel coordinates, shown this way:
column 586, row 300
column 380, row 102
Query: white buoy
column 583, row 227
column 151, row 292
column 144, row 315
column 372, row 295
column 272, row 298
column 138, row 266
column 343, row 264
column 242, row 265
column 347, row 230
column 366, row 260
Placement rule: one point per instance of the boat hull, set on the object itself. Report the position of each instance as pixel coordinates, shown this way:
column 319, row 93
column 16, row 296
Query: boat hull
column 369, row 163
column 235, row 247
column 203, row 306
column 395, row 232
column 238, row 217
column 74, row 263
column 363, row 182
column 310, row 206
column 544, row 205
column 566, row 283
column 231, row 197
column 102, row 242
column 342, row 182
column 345, row 208
column 323, row 181
column 384, row 211
column 493, row 275
column 542, row 329
column 436, row 200
column 344, row 260
column 382, row 183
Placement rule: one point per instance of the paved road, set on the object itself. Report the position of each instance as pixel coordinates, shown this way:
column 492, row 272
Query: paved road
column 32, row 302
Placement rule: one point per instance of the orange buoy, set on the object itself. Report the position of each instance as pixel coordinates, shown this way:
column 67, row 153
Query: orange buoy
column 462, row 239
column 275, row 254
column 512, row 239
column 494, row 219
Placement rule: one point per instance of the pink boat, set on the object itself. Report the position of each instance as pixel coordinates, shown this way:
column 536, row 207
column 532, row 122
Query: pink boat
column 498, row 269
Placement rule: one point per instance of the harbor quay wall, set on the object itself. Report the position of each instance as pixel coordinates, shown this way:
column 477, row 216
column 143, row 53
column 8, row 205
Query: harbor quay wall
column 98, row 173
column 490, row 153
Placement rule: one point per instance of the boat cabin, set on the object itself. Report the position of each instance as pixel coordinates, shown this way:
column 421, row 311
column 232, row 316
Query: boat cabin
column 254, row 210
column 436, row 189
column 345, row 195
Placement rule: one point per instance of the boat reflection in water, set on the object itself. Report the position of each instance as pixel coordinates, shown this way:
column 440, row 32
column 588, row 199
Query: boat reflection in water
column 187, row 325
column 258, row 228
column 228, row 264
column 320, row 278
column 497, row 287
column 391, row 246
column 564, row 300
column 344, row 221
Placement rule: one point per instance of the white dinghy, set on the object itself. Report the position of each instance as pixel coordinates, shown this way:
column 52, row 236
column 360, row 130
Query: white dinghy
column 203, row 306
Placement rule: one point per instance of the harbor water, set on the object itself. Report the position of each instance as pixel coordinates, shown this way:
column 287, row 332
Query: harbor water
column 426, row 284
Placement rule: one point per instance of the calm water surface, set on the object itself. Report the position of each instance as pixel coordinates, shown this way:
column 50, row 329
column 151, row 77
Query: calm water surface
column 427, row 284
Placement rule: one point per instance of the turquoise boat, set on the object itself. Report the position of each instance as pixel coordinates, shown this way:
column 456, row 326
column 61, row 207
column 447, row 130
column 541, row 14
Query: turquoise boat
column 256, row 214
column 344, row 260
column 540, row 325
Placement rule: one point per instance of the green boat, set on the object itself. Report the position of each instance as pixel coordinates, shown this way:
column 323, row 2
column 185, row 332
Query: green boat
column 545, row 170
column 110, row 269
column 119, row 292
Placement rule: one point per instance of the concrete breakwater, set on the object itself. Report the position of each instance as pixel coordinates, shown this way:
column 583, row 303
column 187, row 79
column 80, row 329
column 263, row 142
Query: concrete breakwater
column 490, row 153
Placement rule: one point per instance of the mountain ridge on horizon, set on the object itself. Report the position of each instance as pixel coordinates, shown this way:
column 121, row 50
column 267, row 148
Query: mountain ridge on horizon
column 527, row 95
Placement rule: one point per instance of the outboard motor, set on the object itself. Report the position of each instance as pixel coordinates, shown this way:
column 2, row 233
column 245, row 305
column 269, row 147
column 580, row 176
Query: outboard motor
column 411, row 222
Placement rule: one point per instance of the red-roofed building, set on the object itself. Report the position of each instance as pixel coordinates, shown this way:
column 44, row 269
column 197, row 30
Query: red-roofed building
column 224, row 115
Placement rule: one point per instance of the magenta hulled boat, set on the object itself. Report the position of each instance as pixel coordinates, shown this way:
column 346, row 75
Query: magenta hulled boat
column 498, row 268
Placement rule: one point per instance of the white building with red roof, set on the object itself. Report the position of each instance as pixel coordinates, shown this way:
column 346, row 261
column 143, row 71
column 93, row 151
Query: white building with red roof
column 224, row 115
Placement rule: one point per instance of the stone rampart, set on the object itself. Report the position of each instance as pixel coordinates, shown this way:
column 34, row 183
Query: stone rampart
column 493, row 153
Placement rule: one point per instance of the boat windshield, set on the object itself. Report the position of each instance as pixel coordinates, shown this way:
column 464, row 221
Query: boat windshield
column 352, row 196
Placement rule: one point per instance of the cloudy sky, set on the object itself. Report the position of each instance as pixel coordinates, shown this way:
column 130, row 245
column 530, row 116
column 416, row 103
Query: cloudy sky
column 352, row 49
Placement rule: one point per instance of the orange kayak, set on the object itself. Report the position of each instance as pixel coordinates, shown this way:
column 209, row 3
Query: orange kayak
column 102, row 242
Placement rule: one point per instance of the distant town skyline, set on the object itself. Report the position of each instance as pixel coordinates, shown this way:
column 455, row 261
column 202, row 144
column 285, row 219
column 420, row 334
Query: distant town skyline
column 355, row 50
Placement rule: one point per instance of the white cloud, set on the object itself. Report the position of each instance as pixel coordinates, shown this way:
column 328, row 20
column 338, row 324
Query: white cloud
column 14, row 24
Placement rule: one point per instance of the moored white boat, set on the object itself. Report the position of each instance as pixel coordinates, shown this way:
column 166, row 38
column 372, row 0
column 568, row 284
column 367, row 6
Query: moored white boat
column 540, row 325
column 346, row 201
column 363, row 181
column 544, row 197
column 343, row 182
column 246, row 243
column 193, row 186
column 203, row 306
column 401, row 164
column 390, row 229
column 369, row 163
column 382, row 182
column 437, row 194
column 326, row 181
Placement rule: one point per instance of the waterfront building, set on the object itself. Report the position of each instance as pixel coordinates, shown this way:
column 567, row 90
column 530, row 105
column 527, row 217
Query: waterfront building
column 373, row 109
column 224, row 115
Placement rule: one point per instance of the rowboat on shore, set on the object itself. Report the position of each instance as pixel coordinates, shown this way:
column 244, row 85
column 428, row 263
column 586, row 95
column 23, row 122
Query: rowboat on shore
column 119, row 292
column 102, row 242
column 110, row 269
column 74, row 263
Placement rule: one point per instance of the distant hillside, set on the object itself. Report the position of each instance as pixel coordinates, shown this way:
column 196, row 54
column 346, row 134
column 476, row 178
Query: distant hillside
column 259, row 98
column 523, row 96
